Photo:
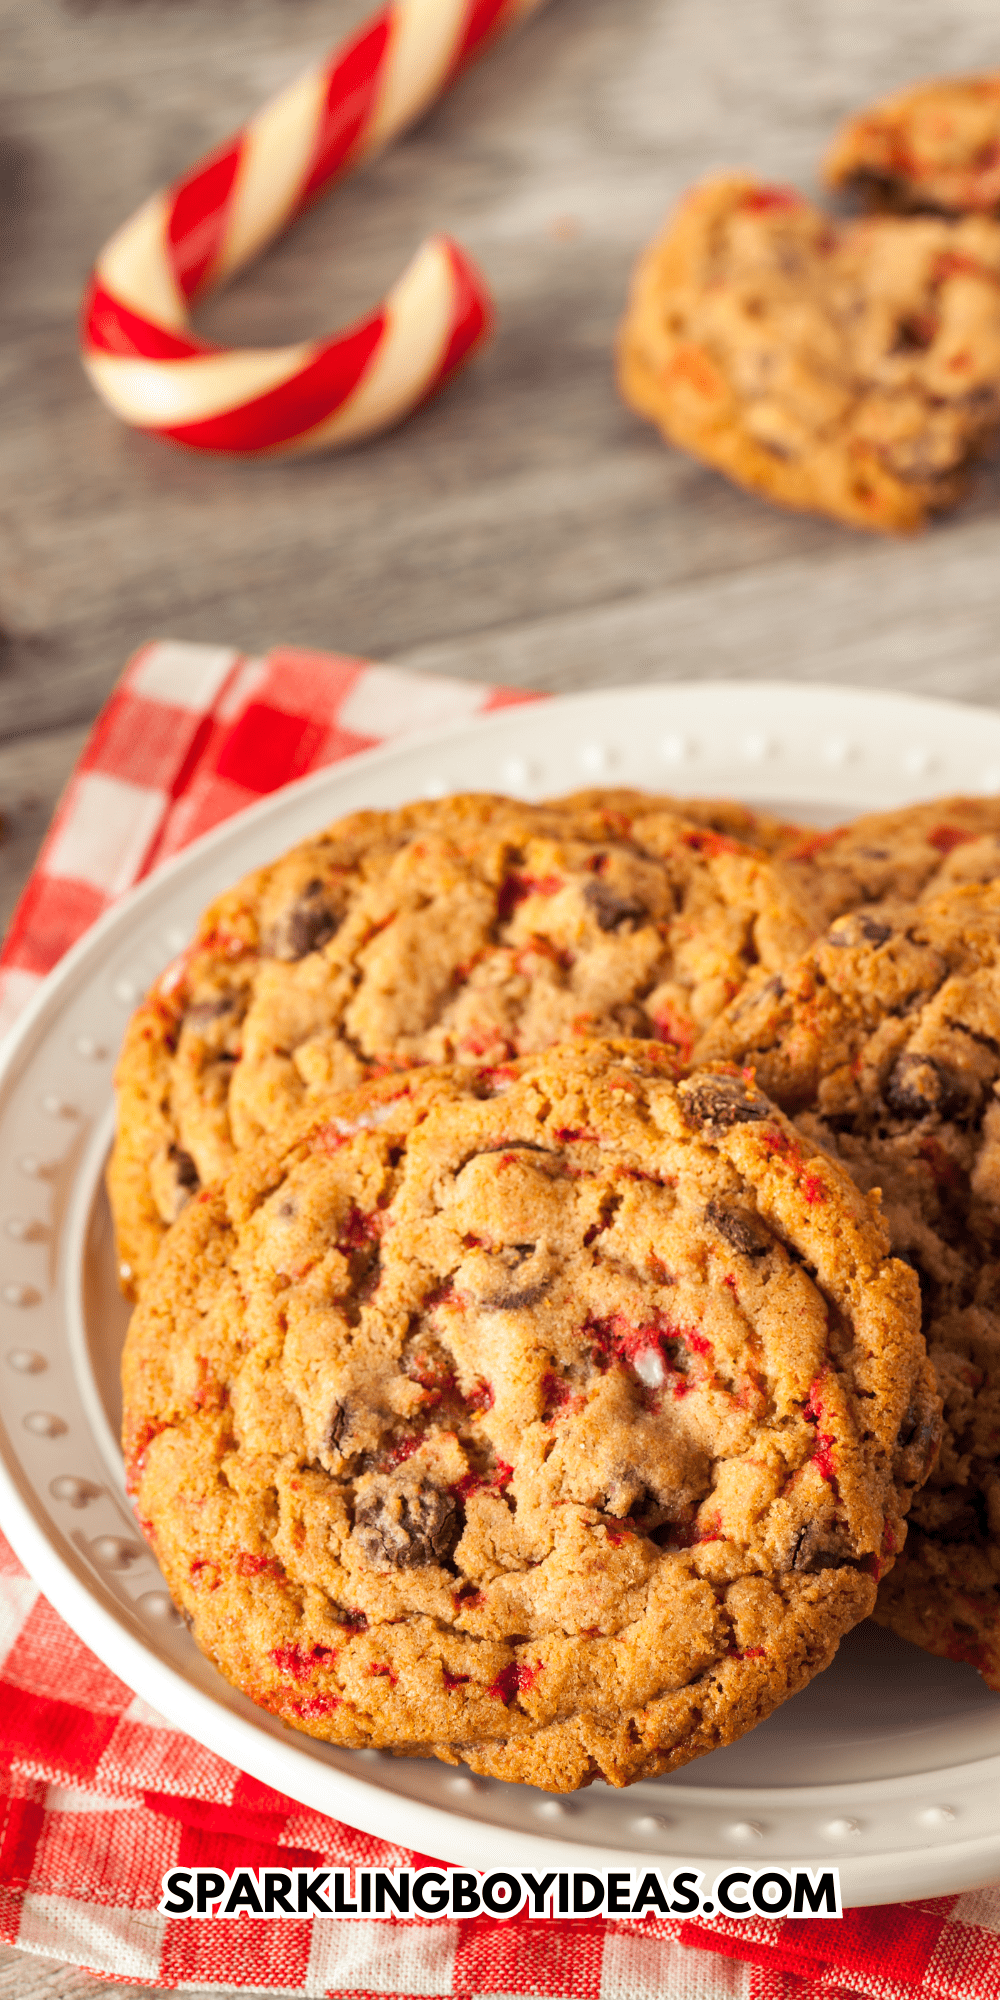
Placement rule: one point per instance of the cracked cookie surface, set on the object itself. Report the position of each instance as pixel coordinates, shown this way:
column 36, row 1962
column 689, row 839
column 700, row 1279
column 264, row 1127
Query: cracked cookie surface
column 554, row 1417
column 886, row 1040
column 470, row 929
column 852, row 369
column 910, row 852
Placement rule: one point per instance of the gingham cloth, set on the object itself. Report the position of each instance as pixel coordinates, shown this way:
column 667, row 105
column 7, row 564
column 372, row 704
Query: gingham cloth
column 99, row 1795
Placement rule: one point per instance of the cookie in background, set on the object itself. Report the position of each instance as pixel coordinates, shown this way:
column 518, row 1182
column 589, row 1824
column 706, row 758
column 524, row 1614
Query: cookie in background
column 933, row 147
column 844, row 368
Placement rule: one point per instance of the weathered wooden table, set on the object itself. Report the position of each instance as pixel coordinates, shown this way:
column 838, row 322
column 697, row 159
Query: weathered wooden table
column 525, row 526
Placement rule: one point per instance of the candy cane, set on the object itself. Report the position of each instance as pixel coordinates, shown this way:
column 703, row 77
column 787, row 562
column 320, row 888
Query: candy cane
column 137, row 345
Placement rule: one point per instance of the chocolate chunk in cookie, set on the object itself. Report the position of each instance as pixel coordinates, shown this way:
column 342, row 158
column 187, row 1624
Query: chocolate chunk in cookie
column 612, row 909
column 741, row 1229
column 864, row 928
column 305, row 924
column 919, row 1086
column 715, row 1101
column 404, row 1524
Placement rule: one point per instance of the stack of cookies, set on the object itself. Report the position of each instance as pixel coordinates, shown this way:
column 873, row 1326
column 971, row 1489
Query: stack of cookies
column 884, row 1042
column 851, row 367
column 536, row 1215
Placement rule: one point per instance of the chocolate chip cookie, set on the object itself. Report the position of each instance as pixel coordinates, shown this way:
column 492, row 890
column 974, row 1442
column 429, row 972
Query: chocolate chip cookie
column 552, row 1416
column 934, row 147
column 852, row 369
column 886, row 1038
column 472, row 929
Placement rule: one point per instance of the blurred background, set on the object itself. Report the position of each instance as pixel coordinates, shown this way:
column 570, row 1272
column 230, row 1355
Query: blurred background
column 525, row 527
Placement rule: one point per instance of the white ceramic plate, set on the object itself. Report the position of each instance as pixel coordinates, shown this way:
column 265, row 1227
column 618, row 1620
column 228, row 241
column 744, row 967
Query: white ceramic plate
column 889, row 1763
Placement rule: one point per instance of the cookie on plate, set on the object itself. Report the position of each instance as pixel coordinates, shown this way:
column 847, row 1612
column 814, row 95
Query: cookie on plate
column 849, row 369
column 913, row 851
column 889, row 1034
column 830, row 1033
column 935, row 146
column 472, row 929
column 555, row 1417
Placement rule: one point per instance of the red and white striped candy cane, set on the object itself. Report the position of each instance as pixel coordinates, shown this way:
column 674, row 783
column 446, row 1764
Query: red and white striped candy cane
column 137, row 345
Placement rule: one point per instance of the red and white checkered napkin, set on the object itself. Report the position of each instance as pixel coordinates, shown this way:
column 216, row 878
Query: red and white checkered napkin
column 191, row 734
column 99, row 1795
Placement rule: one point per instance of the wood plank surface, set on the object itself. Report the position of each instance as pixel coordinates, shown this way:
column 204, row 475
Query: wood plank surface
column 526, row 525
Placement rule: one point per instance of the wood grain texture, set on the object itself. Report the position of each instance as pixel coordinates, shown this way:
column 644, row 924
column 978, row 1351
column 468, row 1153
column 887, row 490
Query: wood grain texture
column 525, row 507
column 33, row 771
column 525, row 526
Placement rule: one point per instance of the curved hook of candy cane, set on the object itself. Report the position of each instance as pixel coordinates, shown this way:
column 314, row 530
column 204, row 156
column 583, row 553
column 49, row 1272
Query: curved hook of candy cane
column 137, row 345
